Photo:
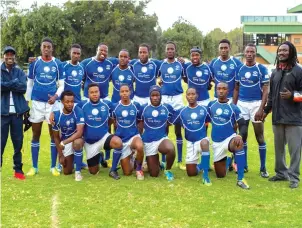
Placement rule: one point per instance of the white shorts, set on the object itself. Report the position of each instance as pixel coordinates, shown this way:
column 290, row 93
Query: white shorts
column 126, row 151
column 68, row 150
column 249, row 109
column 151, row 148
column 220, row 149
column 204, row 102
column 229, row 102
column 141, row 100
column 40, row 111
column 95, row 148
column 175, row 101
column 193, row 151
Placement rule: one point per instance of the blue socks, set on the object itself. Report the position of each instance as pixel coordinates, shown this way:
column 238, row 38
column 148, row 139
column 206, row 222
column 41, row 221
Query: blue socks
column 245, row 151
column 262, row 153
column 116, row 158
column 54, row 153
column 138, row 165
column 107, row 154
column 179, row 148
column 78, row 157
column 240, row 160
column 35, row 147
column 205, row 160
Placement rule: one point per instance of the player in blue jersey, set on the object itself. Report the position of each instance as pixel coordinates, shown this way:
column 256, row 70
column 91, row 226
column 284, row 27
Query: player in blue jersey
column 194, row 118
column 68, row 131
column 155, row 117
column 224, row 117
column 125, row 114
column 251, row 92
column 122, row 74
column 44, row 74
column 96, row 114
column 198, row 76
column 145, row 72
column 225, row 67
column 171, row 73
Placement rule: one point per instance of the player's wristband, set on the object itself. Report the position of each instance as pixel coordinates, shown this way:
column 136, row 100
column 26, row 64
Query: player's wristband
column 62, row 143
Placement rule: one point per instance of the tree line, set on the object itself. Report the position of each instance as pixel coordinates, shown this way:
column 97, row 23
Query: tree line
column 122, row 24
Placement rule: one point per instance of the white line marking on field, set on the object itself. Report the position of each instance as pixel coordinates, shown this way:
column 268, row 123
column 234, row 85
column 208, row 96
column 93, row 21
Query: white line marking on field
column 54, row 212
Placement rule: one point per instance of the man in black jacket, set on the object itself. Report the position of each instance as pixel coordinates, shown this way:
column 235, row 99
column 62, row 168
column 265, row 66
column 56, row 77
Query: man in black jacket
column 13, row 106
column 287, row 114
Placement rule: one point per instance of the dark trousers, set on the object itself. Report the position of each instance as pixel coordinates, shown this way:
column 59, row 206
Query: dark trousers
column 14, row 124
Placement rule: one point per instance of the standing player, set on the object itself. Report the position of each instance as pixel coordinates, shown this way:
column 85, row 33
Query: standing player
column 145, row 73
column 198, row 76
column 122, row 74
column 69, row 123
column 125, row 114
column 44, row 74
column 225, row 67
column 251, row 92
column 223, row 118
column 193, row 119
column 171, row 73
column 155, row 117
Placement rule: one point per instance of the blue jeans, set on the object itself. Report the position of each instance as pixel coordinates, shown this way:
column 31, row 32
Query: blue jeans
column 14, row 124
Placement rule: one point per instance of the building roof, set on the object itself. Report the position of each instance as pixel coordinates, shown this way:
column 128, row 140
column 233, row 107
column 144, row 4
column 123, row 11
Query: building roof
column 273, row 28
column 296, row 9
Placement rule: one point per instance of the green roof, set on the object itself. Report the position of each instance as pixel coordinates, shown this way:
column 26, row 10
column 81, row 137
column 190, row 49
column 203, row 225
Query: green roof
column 273, row 28
column 296, row 9
column 268, row 56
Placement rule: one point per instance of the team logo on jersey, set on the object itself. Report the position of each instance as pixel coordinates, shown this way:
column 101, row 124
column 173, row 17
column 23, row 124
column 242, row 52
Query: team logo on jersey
column 103, row 109
column 71, row 120
column 132, row 112
column 201, row 112
column 150, row 66
column 121, row 78
column 226, row 112
column 125, row 113
column 266, row 76
column 206, row 72
column 74, row 73
column 223, row 67
column 255, row 73
column 80, row 72
column 194, row 116
column 95, row 111
column 82, row 119
column 129, row 77
column 198, row 73
column 247, row 74
column 100, row 69
column 144, row 69
column 219, row 111
column 163, row 112
column 177, row 67
column 232, row 66
column 46, row 69
column 67, row 122
column 170, row 70
column 107, row 67
column 155, row 113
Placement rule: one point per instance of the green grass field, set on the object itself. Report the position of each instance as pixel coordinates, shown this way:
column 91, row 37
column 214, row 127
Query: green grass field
column 99, row 201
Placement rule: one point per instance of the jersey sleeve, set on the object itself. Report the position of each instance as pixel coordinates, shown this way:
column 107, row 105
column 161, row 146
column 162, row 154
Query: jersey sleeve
column 56, row 127
column 112, row 112
column 185, row 67
column 61, row 71
column 141, row 110
column 264, row 74
column 173, row 116
column 114, row 61
column 237, row 113
column 158, row 64
column 80, row 115
column 212, row 68
column 31, row 70
column 138, row 107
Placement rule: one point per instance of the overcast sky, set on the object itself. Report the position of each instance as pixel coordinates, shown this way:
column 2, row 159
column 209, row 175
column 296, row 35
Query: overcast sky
column 206, row 15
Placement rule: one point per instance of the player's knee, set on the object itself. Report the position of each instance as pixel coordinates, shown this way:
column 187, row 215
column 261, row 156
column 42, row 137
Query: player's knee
column 154, row 172
column 204, row 145
column 191, row 173
column 93, row 171
column 78, row 144
column 116, row 143
column 67, row 171
column 220, row 174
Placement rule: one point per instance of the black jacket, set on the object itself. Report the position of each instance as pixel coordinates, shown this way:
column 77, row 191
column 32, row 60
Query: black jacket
column 285, row 111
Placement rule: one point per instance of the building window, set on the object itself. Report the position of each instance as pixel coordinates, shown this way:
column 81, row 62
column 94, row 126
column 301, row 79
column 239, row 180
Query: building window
column 297, row 40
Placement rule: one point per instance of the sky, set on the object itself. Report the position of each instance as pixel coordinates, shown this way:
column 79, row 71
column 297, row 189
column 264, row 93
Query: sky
column 206, row 14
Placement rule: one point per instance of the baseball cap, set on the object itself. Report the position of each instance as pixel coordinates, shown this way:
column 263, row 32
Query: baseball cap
column 9, row 49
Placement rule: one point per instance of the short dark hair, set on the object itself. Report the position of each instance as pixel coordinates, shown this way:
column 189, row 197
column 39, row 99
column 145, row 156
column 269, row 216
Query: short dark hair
column 125, row 51
column 144, row 45
column 225, row 41
column 251, row 45
column 100, row 44
column 93, row 85
column 125, row 84
column 191, row 88
column 171, row 42
column 65, row 94
column 47, row 39
column 76, row 46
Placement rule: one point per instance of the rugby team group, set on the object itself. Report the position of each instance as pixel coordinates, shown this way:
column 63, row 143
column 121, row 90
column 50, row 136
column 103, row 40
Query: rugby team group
column 134, row 122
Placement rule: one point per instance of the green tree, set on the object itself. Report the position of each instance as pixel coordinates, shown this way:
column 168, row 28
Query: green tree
column 236, row 38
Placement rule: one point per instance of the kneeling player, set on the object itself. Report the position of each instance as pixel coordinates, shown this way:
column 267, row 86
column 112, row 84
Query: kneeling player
column 125, row 114
column 193, row 119
column 96, row 114
column 224, row 117
column 70, row 123
column 155, row 117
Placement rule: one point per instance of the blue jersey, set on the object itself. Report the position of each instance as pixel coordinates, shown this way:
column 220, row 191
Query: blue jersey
column 171, row 75
column 225, row 71
column 155, row 121
column 119, row 77
column 145, row 76
column 199, row 77
column 223, row 118
column 251, row 80
column 98, row 72
column 74, row 76
column 193, row 120
column 67, row 123
column 126, row 119
column 96, row 119
column 45, row 76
